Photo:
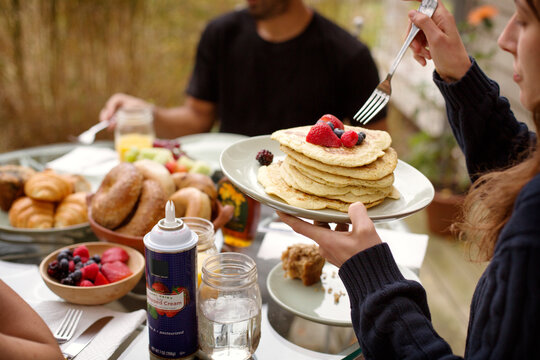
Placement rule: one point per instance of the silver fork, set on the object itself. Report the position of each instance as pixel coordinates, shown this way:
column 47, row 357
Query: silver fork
column 65, row 331
column 381, row 95
column 88, row 136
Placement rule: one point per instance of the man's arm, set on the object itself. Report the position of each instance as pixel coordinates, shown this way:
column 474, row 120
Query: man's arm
column 23, row 334
column 195, row 116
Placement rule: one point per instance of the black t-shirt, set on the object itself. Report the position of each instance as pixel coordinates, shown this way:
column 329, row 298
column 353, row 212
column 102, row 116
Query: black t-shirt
column 260, row 87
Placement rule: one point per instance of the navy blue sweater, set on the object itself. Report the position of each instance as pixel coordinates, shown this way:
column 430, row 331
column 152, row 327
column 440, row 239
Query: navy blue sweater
column 390, row 315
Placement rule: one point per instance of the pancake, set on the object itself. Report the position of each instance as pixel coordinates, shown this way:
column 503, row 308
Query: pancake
column 338, row 180
column 376, row 170
column 371, row 149
column 297, row 180
column 270, row 178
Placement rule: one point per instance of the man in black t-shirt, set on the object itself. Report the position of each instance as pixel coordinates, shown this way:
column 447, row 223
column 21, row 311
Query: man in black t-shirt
column 274, row 65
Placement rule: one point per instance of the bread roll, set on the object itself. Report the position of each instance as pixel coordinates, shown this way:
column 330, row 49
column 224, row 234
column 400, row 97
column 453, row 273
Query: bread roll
column 199, row 181
column 12, row 179
column 29, row 213
column 72, row 210
column 47, row 186
column 78, row 183
column 155, row 171
column 191, row 201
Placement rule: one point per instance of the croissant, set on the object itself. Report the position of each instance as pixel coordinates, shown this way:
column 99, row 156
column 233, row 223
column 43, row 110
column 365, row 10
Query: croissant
column 71, row 211
column 29, row 213
column 47, row 186
column 78, row 183
column 12, row 179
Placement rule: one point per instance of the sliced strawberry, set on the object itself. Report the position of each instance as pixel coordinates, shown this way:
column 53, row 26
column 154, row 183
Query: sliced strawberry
column 322, row 134
column 101, row 279
column 115, row 271
column 114, row 254
column 349, row 138
column 160, row 288
column 82, row 251
column 89, row 272
column 334, row 120
column 86, row 283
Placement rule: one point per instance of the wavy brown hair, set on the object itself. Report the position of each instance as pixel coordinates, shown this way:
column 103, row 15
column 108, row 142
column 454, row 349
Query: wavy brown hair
column 483, row 214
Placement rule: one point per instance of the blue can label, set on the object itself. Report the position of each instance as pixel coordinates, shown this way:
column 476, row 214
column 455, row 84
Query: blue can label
column 171, row 280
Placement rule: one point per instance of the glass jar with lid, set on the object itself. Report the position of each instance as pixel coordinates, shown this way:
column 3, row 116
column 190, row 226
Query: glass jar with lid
column 206, row 245
column 229, row 306
column 134, row 129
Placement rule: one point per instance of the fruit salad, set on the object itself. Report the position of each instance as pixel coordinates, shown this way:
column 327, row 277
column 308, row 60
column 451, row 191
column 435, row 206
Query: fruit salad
column 78, row 267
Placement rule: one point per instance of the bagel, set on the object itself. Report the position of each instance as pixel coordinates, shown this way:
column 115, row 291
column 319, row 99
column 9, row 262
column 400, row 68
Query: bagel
column 199, row 181
column 155, row 171
column 117, row 195
column 150, row 209
column 192, row 202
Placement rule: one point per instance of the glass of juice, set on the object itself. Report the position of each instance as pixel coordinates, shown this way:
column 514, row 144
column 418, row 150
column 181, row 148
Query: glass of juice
column 134, row 128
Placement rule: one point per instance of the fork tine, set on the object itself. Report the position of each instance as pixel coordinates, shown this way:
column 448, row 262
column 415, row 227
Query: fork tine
column 368, row 108
column 376, row 109
column 67, row 328
column 366, row 104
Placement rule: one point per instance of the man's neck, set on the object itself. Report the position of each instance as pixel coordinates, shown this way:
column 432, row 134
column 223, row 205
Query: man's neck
column 285, row 26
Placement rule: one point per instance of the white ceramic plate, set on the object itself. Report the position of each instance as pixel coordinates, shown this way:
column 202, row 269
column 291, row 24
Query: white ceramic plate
column 239, row 165
column 208, row 146
column 316, row 302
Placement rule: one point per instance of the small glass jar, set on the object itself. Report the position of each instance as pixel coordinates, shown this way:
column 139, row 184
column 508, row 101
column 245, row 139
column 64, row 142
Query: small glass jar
column 134, row 129
column 206, row 245
column 229, row 307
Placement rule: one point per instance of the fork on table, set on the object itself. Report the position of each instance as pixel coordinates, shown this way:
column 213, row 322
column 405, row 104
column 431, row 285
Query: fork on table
column 67, row 328
column 381, row 95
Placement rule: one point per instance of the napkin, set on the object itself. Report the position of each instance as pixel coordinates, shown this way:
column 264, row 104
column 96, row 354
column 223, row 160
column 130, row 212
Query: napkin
column 92, row 162
column 408, row 249
column 107, row 340
column 26, row 281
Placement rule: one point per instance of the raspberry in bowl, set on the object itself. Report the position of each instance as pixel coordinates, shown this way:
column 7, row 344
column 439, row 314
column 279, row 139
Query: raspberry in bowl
column 92, row 273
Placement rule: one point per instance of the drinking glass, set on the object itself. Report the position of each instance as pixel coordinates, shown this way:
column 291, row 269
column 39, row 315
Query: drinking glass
column 229, row 307
column 134, row 129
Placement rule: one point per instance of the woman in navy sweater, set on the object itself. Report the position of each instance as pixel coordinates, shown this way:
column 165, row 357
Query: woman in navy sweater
column 501, row 212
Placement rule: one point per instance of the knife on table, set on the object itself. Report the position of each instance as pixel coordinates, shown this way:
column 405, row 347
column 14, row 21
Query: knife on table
column 84, row 339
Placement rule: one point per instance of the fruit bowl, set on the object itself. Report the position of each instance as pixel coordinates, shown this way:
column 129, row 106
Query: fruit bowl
column 99, row 294
column 223, row 215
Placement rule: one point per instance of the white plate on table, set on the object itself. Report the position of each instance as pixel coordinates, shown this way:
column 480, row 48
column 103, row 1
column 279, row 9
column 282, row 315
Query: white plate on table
column 208, row 146
column 239, row 165
column 316, row 302
column 38, row 158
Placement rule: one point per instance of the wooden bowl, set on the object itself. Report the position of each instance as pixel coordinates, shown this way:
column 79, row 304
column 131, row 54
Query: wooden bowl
column 95, row 295
column 222, row 215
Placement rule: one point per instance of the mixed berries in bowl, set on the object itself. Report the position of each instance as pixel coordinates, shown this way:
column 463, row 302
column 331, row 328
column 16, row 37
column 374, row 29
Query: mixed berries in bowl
column 92, row 273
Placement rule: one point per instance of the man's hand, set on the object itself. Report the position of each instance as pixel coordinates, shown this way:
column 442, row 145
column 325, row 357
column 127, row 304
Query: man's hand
column 338, row 246
column 118, row 101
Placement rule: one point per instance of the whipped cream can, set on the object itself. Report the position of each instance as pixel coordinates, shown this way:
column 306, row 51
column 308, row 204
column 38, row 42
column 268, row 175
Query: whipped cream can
column 171, row 285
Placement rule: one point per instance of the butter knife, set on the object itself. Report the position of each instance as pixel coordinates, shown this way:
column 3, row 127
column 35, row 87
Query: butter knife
column 84, row 339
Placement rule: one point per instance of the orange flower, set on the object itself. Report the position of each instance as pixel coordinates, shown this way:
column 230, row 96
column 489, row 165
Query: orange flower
column 481, row 13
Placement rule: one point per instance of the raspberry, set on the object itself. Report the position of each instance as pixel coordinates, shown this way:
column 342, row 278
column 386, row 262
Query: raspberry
column 349, row 138
column 323, row 135
column 264, row 157
column 333, row 120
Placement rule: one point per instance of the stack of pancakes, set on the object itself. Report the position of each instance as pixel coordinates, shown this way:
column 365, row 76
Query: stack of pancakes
column 317, row 177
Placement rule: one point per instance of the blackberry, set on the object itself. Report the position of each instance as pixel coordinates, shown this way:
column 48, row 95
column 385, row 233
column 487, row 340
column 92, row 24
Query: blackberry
column 264, row 157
